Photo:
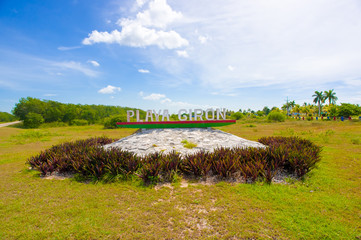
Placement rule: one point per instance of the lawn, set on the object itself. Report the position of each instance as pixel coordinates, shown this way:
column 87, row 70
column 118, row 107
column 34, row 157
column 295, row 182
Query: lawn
column 325, row 205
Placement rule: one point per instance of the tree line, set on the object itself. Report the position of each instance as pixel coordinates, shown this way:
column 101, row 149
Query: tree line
column 321, row 108
column 34, row 112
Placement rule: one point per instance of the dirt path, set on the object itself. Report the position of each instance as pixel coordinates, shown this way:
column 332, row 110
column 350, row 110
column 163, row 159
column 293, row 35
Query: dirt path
column 9, row 123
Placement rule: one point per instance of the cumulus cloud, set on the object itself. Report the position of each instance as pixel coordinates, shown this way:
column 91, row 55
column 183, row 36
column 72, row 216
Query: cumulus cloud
column 159, row 15
column 109, row 90
column 154, row 96
column 242, row 44
column 94, row 63
column 175, row 105
column 140, row 3
column 143, row 71
column 182, row 53
column 148, row 28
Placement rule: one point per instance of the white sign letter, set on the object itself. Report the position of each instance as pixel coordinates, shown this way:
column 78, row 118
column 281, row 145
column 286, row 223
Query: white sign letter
column 180, row 115
column 222, row 114
column 130, row 113
column 165, row 114
column 149, row 115
column 207, row 116
column 198, row 113
column 156, row 115
column 137, row 112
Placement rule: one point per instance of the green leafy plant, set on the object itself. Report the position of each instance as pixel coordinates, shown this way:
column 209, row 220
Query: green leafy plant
column 90, row 160
column 33, row 120
column 276, row 116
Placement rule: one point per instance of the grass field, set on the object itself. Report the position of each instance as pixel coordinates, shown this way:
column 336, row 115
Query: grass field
column 326, row 205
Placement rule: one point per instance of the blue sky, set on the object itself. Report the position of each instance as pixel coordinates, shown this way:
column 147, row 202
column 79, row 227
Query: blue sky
column 158, row 54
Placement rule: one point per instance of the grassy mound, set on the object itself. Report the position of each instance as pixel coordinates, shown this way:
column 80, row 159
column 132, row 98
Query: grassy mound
column 87, row 158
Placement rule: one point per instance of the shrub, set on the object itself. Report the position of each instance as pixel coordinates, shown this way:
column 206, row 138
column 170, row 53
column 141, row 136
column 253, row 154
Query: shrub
column 197, row 164
column 347, row 109
column 7, row 117
column 111, row 122
column 79, row 122
column 33, row 120
column 170, row 165
column 53, row 124
column 224, row 162
column 300, row 155
column 90, row 160
column 276, row 116
column 152, row 165
column 237, row 115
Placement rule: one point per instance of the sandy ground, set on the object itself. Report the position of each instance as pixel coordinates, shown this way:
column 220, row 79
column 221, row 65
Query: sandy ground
column 9, row 123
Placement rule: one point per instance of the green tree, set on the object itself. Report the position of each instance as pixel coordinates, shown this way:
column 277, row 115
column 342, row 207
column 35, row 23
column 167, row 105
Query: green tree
column 6, row 117
column 318, row 98
column 348, row 109
column 29, row 105
column 237, row 115
column 111, row 122
column 266, row 110
column 331, row 96
column 33, row 120
column 296, row 109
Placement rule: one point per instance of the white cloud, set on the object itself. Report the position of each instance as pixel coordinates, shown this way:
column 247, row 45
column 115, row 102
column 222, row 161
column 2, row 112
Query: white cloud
column 146, row 29
column 174, row 105
column 203, row 39
column 61, row 48
column 182, row 53
column 154, row 96
column 76, row 66
column 230, row 68
column 94, row 63
column 159, row 15
column 109, row 90
column 140, row 3
column 143, row 71
column 272, row 43
column 50, row 95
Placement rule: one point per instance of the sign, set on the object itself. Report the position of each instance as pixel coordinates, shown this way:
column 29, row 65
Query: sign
column 188, row 119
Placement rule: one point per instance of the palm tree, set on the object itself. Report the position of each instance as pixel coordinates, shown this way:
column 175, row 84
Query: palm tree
column 318, row 98
column 331, row 96
column 296, row 109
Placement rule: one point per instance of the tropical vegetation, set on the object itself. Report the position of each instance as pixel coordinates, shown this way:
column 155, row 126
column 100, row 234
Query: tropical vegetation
column 87, row 158
column 34, row 112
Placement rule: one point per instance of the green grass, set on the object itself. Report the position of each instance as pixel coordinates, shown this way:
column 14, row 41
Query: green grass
column 325, row 205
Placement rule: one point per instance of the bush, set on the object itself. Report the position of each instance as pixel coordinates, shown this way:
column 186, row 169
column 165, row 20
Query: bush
column 53, row 124
column 90, row 160
column 347, row 109
column 33, row 120
column 111, row 122
column 276, row 116
column 237, row 115
column 7, row 117
column 79, row 122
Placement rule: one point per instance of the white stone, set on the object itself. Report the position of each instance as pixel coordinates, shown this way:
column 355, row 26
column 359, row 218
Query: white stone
column 166, row 140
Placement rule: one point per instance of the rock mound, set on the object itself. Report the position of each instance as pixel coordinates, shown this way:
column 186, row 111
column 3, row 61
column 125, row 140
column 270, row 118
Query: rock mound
column 166, row 140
